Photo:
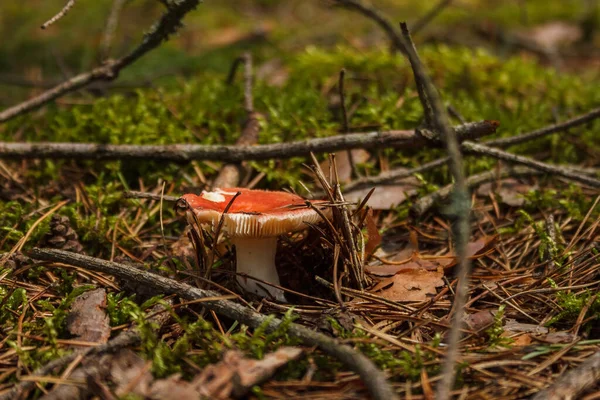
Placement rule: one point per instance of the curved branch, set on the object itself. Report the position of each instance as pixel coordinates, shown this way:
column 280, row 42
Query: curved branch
column 372, row 377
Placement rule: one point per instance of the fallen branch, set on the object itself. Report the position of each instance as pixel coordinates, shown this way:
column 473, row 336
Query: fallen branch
column 569, row 385
column 424, row 204
column 372, row 377
column 234, row 153
column 562, row 126
column 568, row 173
column 167, row 25
column 401, row 173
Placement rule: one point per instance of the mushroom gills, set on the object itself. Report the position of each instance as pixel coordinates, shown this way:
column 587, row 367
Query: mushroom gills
column 256, row 258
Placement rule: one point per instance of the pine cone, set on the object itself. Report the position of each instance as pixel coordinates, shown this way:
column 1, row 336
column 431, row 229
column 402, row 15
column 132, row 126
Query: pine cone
column 62, row 236
column 18, row 260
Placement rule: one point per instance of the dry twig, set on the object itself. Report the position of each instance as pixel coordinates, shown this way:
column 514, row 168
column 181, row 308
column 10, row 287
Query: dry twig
column 60, row 14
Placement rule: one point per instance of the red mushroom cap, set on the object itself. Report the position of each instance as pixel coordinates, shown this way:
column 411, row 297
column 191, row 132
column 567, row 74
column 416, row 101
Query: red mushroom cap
column 254, row 213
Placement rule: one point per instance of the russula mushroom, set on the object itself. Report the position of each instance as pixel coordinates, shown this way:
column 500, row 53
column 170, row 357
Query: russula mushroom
column 253, row 222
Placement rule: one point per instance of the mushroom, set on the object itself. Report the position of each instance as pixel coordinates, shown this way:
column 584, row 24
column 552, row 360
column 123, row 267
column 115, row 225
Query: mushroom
column 253, row 222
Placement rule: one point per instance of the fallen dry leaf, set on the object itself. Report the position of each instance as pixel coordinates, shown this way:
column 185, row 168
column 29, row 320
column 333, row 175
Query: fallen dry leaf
column 510, row 191
column 403, row 262
column 392, row 269
column 521, row 340
column 479, row 320
column 410, row 285
column 385, row 197
column 130, row 373
column 374, row 238
column 235, row 375
column 87, row 319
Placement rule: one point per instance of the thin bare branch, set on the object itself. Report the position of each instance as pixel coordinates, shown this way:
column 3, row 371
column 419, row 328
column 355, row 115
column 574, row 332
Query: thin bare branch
column 60, row 14
column 111, row 27
column 547, row 130
column 568, row 173
column 168, row 24
column 235, row 153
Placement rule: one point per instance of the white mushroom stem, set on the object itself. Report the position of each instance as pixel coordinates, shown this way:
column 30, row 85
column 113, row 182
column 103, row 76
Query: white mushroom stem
column 256, row 258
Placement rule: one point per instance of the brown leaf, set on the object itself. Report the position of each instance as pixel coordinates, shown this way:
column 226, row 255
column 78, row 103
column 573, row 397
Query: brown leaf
column 521, row 340
column 385, row 197
column 510, row 191
column 173, row 387
column 374, row 238
column 88, row 320
column 235, row 375
column 481, row 246
column 479, row 320
column 410, row 285
column 392, row 269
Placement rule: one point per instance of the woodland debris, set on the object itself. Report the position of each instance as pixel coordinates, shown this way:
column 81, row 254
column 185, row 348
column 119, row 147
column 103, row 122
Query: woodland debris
column 386, row 196
column 233, row 376
column 61, row 235
column 87, row 320
column 410, row 285
column 510, row 191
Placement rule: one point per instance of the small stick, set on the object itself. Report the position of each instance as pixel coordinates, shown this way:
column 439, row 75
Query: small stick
column 60, row 14
column 568, row 173
column 562, row 126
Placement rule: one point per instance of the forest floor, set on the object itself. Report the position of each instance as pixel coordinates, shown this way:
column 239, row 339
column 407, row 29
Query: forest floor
column 106, row 292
